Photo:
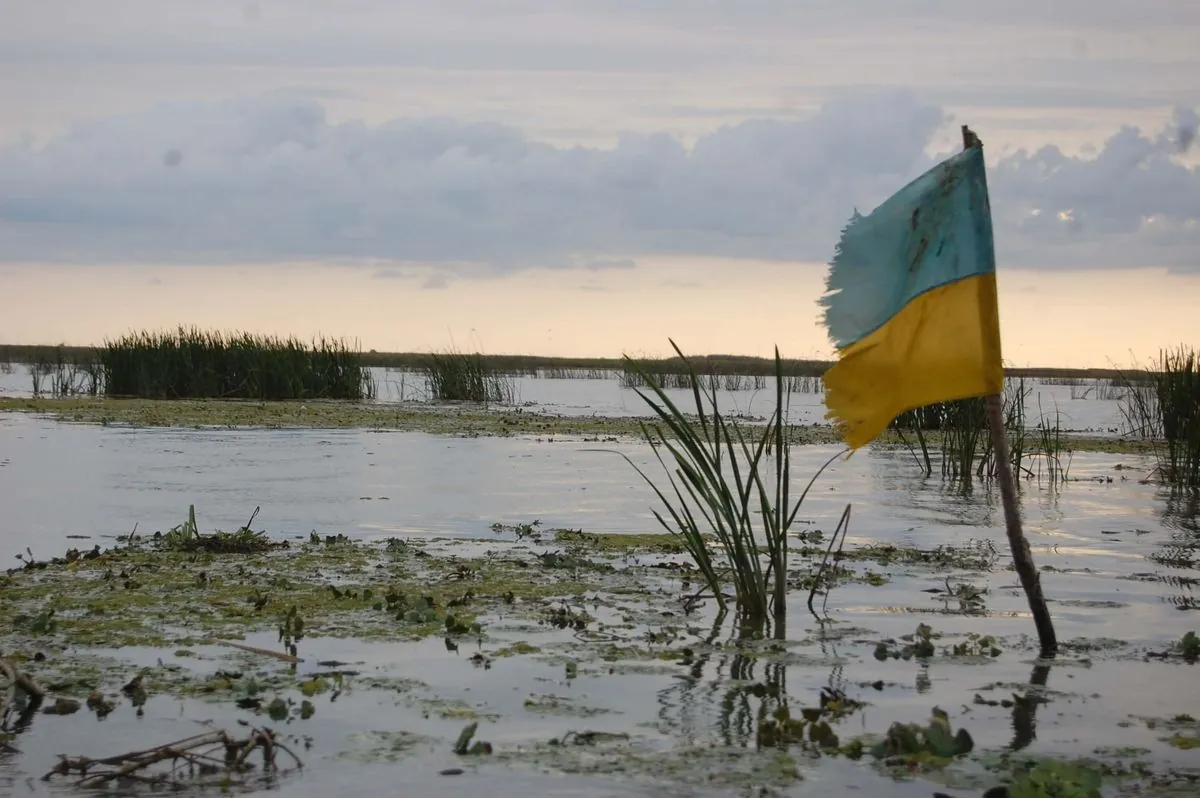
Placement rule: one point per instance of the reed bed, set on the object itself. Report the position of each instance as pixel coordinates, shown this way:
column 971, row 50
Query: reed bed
column 1102, row 390
column 1177, row 384
column 965, row 449
column 639, row 374
column 466, row 377
column 563, row 373
column 199, row 364
column 1140, row 413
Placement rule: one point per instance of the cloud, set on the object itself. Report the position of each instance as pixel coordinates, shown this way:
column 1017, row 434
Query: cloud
column 270, row 178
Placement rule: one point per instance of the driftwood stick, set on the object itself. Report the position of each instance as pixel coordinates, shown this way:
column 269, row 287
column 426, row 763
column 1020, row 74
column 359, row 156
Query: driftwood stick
column 22, row 680
column 199, row 750
column 17, row 679
column 266, row 652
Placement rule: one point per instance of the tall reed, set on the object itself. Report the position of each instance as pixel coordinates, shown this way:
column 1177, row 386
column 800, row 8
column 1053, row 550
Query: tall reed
column 715, row 471
column 461, row 377
column 1141, row 416
column 964, row 444
column 193, row 364
column 1177, row 384
column 61, row 372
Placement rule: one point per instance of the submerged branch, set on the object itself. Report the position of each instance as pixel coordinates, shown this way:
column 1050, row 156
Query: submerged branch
column 209, row 754
column 17, row 679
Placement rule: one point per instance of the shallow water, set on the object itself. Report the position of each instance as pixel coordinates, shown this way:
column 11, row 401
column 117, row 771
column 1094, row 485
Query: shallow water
column 1088, row 407
column 1101, row 538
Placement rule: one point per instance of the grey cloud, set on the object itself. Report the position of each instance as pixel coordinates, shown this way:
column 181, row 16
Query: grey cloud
column 270, row 178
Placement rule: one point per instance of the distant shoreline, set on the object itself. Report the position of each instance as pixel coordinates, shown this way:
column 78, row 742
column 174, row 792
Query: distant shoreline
column 705, row 364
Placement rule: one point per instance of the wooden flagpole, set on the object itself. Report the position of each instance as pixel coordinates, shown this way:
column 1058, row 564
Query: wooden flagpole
column 1022, row 557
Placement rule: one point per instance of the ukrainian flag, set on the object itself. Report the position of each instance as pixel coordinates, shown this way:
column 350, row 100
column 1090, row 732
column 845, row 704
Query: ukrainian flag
column 911, row 301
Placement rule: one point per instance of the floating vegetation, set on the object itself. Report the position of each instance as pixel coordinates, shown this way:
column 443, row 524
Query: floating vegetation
column 1053, row 779
column 186, row 537
column 1189, row 647
column 197, row 364
column 462, row 377
column 910, row 746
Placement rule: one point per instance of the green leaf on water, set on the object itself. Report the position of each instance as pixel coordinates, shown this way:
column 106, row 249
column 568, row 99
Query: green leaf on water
column 278, row 710
column 1052, row 779
column 1184, row 742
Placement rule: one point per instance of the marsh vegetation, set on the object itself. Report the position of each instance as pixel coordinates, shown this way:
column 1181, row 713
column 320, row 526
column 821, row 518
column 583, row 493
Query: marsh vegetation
column 466, row 377
column 195, row 364
column 1165, row 407
column 721, row 494
column 964, row 448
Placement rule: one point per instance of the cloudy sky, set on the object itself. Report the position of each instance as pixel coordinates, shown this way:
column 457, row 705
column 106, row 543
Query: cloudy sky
column 583, row 177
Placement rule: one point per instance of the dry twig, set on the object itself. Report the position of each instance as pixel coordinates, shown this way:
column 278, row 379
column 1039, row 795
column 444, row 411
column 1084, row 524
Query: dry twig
column 209, row 754
column 266, row 652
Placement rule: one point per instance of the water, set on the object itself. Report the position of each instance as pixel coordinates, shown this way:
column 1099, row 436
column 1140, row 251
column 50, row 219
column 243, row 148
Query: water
column 1119, row 556
column 1090, row 407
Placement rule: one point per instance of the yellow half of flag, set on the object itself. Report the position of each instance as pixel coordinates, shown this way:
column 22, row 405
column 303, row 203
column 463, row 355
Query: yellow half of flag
column 911, row 302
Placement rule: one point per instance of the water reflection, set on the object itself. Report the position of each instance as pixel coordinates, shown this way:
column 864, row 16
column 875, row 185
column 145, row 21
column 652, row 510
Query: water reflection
column 1180, row 515
column 1024, row 711
column 735, row 691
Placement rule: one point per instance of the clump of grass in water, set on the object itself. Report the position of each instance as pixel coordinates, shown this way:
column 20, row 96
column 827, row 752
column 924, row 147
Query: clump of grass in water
column 197, row 364
column 719, row 488
column 460, row 377
column 1177, row 385
column 186, row 537
column 1164, row 405
column 966, row 448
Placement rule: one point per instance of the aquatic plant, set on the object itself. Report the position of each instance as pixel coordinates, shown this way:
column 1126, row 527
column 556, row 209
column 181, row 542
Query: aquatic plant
column 466, row 377
column 715, row 473
column 909, row 744
column 1138, row 405
column 186, row 537
column 1054, row 779
column 59, row 372
column 1189, row 647
column 1163, row 406
column 967, row 450
column 198, row 364
column 1177, row 386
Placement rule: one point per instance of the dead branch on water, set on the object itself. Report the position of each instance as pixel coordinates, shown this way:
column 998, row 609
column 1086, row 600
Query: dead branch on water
column 213, row 756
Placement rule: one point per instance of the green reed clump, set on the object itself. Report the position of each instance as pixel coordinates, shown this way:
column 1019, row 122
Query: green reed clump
column 965, row 445
column 1177, row 388
column 461, row 377
column 716, row 472
column 199, row 364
